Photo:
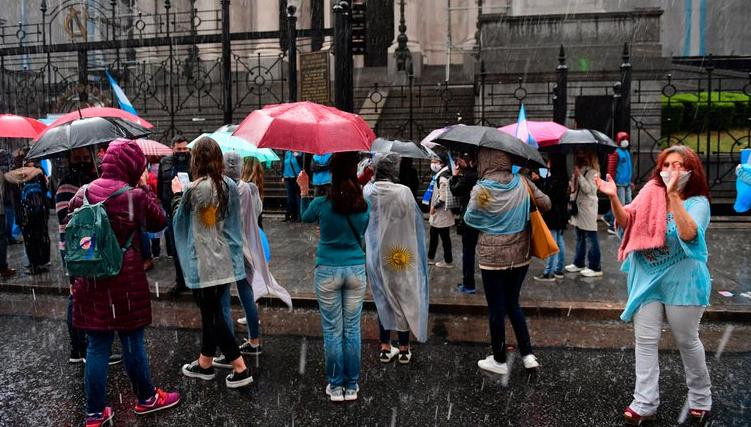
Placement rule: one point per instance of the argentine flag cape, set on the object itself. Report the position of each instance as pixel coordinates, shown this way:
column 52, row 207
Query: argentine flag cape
column 396, row 262
column 256, row 267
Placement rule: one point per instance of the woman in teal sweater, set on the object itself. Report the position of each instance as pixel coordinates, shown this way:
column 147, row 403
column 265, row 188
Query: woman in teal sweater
column 342, row 216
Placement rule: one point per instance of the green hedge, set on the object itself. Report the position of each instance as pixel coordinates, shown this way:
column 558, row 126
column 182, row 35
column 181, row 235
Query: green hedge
column 687, row 112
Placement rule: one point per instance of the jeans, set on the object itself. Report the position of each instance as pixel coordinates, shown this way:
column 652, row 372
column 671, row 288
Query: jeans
column 445, row 235
column 293, row 198
column 502, row 289
column 97, row 363
column 593, row 256
column 469, row 244
column 245, row 292
column 214, row 330
column 385, row 336
column 145, row 246
column 3, row 246
column 77, row 336
column 554, row 264
column 624, row 195
column 684, row 322
column 340, row 292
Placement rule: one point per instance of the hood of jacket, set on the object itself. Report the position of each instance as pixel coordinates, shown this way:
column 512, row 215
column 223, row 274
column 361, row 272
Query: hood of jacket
column 123, row 161
column 494, row 165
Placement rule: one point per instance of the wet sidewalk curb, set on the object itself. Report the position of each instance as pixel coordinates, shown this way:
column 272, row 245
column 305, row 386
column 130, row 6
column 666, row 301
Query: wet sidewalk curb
column 584, row 310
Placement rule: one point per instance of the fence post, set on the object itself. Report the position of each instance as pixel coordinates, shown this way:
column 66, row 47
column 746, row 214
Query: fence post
column 343, row 58
column 292, row 52
column 625, row 117
column 47, row 81
column 560, row 94
column 226, row 64
column 167, row 6
column 113, row 3
column 710, row 68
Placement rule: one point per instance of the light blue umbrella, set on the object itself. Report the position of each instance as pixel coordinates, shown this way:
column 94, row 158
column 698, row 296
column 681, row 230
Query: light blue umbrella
column 227, row 142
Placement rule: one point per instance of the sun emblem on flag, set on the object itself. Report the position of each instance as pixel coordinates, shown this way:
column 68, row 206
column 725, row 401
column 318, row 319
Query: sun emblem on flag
column 483, row 198
column 208, row 215
column 399, row 258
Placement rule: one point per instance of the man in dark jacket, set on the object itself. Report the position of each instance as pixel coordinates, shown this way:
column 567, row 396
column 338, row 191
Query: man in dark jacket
column 169, row 167
column 460, row 184
column 555, row 186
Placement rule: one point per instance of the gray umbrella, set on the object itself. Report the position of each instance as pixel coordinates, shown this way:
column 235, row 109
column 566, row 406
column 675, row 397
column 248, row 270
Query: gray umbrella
column 464, row 138
column 83, row 133
column 583, row 138
column 402, row 148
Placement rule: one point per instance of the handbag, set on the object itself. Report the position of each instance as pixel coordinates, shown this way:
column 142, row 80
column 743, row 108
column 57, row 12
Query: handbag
column 541, row 243
column 572, row 209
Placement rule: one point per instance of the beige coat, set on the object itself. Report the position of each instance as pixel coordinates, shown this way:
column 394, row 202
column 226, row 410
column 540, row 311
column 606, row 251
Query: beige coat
column 442, row 217
column 586, row 201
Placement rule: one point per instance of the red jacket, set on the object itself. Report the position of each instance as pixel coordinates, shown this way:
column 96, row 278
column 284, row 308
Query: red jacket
column 123, row 302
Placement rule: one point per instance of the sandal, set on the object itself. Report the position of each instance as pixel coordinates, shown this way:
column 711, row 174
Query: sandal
column 699, row 416
column 634, row 419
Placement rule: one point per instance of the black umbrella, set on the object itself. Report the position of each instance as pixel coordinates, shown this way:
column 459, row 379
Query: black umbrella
column 464, row 138
column 583, row 138
column 83, row 132
column 402, row 148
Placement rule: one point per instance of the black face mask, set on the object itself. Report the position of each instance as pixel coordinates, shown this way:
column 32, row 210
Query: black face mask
column 182, row 158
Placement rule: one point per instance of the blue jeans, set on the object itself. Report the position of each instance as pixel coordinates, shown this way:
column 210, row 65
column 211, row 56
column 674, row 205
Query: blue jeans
column 97, row 362
column 593, row 256
column 3, row 247
column 340, row 292
column 624, row 195
column 555, row 262
column 293, row 198
column 245, row 292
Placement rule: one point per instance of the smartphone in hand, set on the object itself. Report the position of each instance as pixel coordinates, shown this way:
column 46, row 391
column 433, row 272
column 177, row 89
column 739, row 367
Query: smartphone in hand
column 184, row 179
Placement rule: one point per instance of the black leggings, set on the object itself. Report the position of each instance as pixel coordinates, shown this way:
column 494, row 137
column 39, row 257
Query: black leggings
column 445, row 234
column 502, row 289
column 386, row 336
column 214, row 327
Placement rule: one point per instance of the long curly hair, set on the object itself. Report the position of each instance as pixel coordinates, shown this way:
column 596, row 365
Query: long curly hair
column 345, row 193
column 253, row 172
column 207, row 161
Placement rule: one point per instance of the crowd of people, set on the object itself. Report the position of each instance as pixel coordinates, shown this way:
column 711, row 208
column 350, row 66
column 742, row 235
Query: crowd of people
column 208, row 205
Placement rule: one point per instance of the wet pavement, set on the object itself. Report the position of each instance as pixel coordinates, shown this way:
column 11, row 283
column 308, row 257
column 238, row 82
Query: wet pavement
column 442, row 385
column 293, row 262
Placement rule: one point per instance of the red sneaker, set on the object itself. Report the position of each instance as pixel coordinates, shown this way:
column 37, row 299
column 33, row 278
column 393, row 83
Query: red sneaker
column 634, row 419
column 161, row 400
column 103, row 419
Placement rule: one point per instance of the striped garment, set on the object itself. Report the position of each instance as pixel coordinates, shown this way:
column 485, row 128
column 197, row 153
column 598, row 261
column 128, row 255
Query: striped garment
column 65, row 192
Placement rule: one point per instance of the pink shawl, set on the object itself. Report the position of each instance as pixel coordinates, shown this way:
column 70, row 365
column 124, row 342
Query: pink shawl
column 647, row 221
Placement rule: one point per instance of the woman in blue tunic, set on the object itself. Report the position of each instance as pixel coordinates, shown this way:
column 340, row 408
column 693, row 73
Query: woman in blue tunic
column 665, row 256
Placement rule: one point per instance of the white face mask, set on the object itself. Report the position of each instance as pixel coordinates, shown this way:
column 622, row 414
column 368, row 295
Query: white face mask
column 435, row 167
column 682, row 181
column 624, row 143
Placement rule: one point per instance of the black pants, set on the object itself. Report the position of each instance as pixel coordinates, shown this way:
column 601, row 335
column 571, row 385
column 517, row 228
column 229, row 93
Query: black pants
column 214, row 329
column 386, row 336
column 179, row 279
column 156, row 247
column 445, row 235
column 502, row 289
column 469, row 244
column 77, row 336
column 36, row 240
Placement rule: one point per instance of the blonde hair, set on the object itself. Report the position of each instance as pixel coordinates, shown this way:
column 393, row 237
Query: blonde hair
column 590, row 159
column 253, row 172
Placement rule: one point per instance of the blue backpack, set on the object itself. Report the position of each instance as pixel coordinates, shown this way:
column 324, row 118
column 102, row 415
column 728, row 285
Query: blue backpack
column 33, row 199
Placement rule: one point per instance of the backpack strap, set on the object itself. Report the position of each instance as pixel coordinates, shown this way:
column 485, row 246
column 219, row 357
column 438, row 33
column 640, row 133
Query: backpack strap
column 120, row 191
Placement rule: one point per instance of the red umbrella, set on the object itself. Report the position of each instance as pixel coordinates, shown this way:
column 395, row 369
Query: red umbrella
column 306, row 126
column 545, row 133
column 13, row 126
column 98, row 112
column 153, row 148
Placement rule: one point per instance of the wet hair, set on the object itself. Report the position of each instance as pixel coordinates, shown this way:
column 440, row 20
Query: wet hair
column 178, row 139
column 253, row 172
column 697, row 183
column 207, row 160
column 345, row 193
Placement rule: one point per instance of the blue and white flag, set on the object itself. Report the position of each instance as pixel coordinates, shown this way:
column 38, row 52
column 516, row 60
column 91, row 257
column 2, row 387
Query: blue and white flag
column 120, row 95
column 522, row 132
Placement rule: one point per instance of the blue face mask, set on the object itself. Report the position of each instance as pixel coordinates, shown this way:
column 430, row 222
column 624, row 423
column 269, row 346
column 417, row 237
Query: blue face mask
column 543, row 173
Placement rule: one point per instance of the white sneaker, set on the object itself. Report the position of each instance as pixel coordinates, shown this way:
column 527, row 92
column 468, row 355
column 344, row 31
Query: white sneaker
column 489, row 364
column 242, row 321
column 387, row 356
column 351, row 394
column 611, row 231
column 572, row 268
column 590, row 273
column 530, row 361
column 336, row 394
column 441, row 264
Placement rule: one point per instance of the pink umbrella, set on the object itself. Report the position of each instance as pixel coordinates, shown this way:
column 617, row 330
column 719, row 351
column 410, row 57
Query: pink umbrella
column 428, row 140
column 153, row 148
column 545, row 133
column 306, row 126
column 97, row 112
column 13, row 126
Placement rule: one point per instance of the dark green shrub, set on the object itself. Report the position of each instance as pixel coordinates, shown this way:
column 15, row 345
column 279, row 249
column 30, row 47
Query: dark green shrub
column 672, row 116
